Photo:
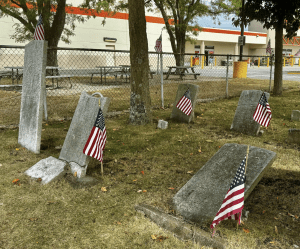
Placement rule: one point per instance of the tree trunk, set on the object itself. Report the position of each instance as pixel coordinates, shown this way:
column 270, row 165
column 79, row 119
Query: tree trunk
column 278, row 59
column 140, row 102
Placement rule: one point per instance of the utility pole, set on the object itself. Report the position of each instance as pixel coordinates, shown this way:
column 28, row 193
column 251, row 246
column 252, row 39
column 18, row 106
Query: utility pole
column 242, row 31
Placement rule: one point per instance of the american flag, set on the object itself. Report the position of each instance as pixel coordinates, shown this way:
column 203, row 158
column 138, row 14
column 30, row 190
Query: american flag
column 39, row 30
column 96, row 142
column 268, row 49
column 158, row 45
column 262, row 114
column 233, row 202
column 185, row 103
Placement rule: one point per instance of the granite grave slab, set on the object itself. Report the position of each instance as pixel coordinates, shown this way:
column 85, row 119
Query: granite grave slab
column 33, row 95
column 178, row 114
column 201, row 197
column 48, row 169
column 79, row 131
column 243, row 119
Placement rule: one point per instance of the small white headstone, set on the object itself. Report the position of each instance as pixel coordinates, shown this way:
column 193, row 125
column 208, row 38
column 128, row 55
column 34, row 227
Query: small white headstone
column 162, row 124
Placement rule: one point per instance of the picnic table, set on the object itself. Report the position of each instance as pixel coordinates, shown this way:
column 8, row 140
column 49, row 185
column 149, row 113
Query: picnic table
column 16, row 75
column 181, row 71
column 106, row 70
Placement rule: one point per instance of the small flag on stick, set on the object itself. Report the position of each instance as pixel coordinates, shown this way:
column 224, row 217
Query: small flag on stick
column 268, row 49
column 185, row 103
column 39, row 30
column 158, row 45
column 263, row 114
column 96, row 142
column 233, row 202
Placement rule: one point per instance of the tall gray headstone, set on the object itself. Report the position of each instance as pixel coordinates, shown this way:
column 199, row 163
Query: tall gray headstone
column 178, row 114
column 33, row 94
column 201, row 197
column 243, row 119
column 79, row 131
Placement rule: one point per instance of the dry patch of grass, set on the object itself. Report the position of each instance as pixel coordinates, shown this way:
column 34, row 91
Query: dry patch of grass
column 157, row 162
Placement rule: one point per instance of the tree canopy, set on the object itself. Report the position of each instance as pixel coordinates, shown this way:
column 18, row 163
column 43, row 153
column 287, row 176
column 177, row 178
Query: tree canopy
column 278, row 15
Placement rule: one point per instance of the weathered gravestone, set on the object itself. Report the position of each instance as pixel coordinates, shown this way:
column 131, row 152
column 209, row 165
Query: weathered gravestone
column 48, row 169
column 79, row 131
column 243, row 119
column 295, row 115
column 201, row 197
column 178, row 114
column 294, row 136
column 33, row 94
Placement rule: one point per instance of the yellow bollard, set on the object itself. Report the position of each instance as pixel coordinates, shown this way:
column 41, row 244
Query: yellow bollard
column 192, row 64
column 292, row 62
column 268, row 62
column 258, row 63
column 284, row 61
column 215, row 61
column 202, row 61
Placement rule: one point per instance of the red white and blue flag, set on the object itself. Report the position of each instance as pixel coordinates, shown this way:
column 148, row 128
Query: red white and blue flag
column 263, row 114
column 39, row 33
column 158, row 45
column 233, row 202
column 268, row 49
column 96, row 142
column 185, row 103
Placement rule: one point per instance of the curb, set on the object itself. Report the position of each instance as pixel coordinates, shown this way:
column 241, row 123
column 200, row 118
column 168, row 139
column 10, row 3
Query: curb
column 180, row 228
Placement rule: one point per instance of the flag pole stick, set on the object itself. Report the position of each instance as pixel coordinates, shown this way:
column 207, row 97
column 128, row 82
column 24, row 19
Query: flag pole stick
column 237, row 224
column 102, row 161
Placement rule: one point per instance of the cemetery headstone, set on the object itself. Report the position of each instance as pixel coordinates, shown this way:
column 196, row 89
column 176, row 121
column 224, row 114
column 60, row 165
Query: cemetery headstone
column 162, row 124
column 33, row 94
column 243, row 119
column 201, row 197
column 79, row 131
column 177, row 114
column 295, row 115
column 48, row 170
column 294, row 136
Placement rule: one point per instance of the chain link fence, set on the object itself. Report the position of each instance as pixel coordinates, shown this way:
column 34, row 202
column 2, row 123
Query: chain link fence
column 70, row 71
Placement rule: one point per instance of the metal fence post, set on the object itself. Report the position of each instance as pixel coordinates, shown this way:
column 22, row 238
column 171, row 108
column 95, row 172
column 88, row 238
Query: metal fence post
column 162, row 80
column 271, row 73
column 227, row 68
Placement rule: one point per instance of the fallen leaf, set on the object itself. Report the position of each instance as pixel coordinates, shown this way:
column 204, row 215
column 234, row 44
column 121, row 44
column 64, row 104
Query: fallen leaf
column 272, row 242
column 148, row 149
column 209, row 141
column 43, row 129
column 50, row 202
column 200, row 150
column 119, row 223
column 139, row 191
column 276, row 230
column 171, row 188
column 116, row 160
column 191, row 154
column 153, row 236
column 275, row 218
column 103, row 189
column 33, row 219
column 75, row 174
column 142, row 172
column 15, row 181
column 144, row 191
column 134, row 180
column 296, row 217
column 39, row 180
column 17, row 149
column 161, row 238
column 246, row 230
column 46, row 124
column 179, row 154
column 190, row 172
column 263, row 211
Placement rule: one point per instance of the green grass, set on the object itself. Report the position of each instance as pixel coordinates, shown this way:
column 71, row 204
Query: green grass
column 57, row 215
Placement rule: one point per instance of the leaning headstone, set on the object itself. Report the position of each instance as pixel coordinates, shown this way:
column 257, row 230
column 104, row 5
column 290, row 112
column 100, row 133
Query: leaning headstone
column 48, row 170
column 295, row 115
column 201, row 197
column 243, row 119
column 294, row 136
column 79, row 131
column 33, row 94
column 177, row 114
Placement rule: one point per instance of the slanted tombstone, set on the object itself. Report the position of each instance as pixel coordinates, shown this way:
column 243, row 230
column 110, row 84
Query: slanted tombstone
column 79, row 131
column 201, row 197
column 33, row 95
column 179, row 115
column 243, row 119
column 295, row 115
